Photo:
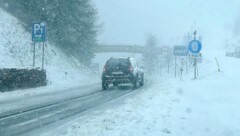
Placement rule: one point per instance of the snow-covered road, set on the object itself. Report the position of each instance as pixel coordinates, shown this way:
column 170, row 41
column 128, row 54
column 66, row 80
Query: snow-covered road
column 22, row 115
column 167, row 106
column 27, row 99
column 207, row 106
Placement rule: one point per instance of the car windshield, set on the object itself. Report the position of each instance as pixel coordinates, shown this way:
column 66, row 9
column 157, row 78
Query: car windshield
column 117, row 62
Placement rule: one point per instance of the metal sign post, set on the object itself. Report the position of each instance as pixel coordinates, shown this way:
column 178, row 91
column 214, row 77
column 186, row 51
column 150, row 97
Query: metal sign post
column 160, row 66
column 168, row 66
column 195, row 68
column 34, row 50
column 43, row 55
column 186, row 65
column 175, row 66
column 38, row 35
column 181, row 70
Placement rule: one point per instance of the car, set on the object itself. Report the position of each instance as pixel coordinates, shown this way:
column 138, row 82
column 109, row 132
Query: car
column 122, row 71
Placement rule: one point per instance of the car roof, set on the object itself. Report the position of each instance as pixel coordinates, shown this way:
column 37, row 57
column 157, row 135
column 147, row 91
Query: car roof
column 123, row 58
column 118, row 58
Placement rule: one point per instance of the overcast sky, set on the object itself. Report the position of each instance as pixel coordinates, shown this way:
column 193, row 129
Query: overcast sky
column 130, row 21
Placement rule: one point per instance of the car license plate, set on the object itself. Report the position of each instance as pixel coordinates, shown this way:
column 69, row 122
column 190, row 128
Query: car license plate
column 117, row 73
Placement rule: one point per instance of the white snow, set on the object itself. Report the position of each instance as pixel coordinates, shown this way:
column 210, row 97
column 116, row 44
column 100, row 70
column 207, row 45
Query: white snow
column 17, row 51
column 207, row 106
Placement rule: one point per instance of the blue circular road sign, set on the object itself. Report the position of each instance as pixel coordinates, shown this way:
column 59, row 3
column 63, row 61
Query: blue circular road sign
column 195, row 46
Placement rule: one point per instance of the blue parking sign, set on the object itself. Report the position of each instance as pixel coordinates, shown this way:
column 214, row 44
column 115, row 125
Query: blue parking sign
column 39, row 32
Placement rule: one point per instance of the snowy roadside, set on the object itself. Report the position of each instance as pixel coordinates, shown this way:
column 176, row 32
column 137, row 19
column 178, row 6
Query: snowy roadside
column 144, row 113
column 16, row 52
column 207, row 106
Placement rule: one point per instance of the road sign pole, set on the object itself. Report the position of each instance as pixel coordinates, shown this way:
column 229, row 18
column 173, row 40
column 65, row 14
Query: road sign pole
column 194, row 35
column 160, row 66
column 168, row 66
column 195, row 68
column 43, row 55
column 34, row 51
column 186, row 64
column 175, row 66
column 181, row 70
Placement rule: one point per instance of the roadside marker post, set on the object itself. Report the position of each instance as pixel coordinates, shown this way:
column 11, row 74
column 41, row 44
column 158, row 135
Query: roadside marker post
column 186, row 65
column 217, row 65
column 38, row 36
column 181, row 72
column 175, row 66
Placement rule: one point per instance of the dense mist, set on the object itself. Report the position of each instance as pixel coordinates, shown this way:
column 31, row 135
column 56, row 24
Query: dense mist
column 131, row 21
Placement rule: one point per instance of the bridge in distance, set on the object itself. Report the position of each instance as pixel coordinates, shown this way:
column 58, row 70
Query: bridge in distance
column 126, row 48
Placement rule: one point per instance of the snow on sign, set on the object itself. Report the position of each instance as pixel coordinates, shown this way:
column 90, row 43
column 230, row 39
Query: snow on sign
column 39, row 32
column 195, row 46
column 180, row 51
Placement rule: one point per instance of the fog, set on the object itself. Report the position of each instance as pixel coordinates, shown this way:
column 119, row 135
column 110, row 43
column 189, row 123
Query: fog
column 130, row 21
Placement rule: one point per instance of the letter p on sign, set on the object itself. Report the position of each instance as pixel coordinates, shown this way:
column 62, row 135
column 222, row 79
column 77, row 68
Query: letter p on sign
column 36, row 28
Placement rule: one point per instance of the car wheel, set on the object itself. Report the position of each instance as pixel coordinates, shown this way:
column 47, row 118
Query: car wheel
column 115, row 85
column 135, row 82
column 104, row 86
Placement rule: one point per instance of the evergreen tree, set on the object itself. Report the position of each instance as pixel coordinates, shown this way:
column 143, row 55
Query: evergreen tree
column 151, row 56
column 71, row 24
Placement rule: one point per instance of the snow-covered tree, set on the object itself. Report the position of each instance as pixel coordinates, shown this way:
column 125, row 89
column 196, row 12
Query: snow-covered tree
column 71, row 24
column 150, row 56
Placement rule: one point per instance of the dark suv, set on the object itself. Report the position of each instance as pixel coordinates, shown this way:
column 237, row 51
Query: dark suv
column 120, row 71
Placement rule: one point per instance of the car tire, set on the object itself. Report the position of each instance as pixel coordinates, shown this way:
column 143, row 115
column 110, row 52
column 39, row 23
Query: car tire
column 104, row 86
column 135, row 82
column 115, row 85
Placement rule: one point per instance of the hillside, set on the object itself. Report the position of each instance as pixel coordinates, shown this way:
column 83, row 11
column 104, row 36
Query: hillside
column 16, row 51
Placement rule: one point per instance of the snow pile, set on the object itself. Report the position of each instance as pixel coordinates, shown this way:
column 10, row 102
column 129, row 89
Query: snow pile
column 169, row 107
column 17, row 51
